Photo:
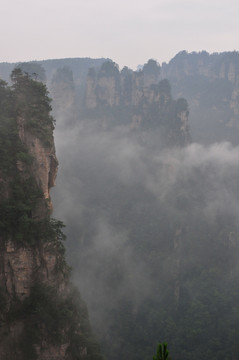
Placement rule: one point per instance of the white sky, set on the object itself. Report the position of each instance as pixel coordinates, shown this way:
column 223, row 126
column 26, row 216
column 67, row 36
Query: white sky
column 127, row 31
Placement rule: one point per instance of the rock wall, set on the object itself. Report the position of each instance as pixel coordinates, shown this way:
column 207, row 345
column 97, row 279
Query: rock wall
column 45, row 164
column 137, row 99
column 42, row 316
column 21, row 266
column 210, row 83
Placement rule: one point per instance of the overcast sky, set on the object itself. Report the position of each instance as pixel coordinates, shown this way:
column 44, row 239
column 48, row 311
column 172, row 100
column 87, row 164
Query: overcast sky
column 127, row 31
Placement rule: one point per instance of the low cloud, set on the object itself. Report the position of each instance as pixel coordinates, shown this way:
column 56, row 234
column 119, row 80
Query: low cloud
column 123, row 201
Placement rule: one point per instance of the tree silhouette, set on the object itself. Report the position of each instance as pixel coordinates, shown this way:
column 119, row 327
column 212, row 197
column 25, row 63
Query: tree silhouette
column 162, row 352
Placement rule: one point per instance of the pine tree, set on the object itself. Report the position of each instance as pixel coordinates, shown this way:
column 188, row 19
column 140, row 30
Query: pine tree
column 162, row 352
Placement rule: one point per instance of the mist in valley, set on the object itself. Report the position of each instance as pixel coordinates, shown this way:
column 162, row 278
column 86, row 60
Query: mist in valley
column 151, row 215
column 147, row 184
column 152, row 237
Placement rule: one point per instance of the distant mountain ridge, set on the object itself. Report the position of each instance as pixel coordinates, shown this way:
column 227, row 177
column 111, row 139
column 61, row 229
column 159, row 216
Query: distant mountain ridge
column 210, row 83
column 137, row 99
column 77, row 65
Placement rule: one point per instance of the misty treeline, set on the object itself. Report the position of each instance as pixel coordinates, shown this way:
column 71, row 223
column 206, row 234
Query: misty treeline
column 152, row 230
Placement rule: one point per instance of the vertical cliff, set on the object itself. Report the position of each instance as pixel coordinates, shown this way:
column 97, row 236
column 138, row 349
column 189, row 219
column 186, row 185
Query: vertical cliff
column 210, row 83
column 137, row 99
column 42, row 315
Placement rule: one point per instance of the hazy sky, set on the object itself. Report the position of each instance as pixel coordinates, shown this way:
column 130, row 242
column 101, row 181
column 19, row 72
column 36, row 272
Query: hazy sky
column 127, row 31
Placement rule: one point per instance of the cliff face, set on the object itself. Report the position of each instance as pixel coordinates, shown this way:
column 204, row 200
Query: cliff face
column 211, row 85
column 112, row 88
column 20, row 263
column 218, row 65
column 44, row 166
column 42, row 316
column 138, row 100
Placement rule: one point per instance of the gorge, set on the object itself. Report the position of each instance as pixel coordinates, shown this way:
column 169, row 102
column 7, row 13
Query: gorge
column 148, row 189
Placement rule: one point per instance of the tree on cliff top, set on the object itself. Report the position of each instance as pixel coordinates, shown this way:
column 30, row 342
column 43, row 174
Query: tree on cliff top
column 151, row 68
column 34, row 70
column 109, row 68
column 33, row 104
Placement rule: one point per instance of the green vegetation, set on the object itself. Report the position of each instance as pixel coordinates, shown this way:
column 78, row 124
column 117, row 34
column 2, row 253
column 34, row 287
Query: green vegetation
column 47, row 314
column 162, row 352
column 152, row 68
column 18, row 210
column 34, row 70
column 109, row 68
column 26, row 99
column 174, row 275
column 60, row 319
column 33, row 104
column 9, row 140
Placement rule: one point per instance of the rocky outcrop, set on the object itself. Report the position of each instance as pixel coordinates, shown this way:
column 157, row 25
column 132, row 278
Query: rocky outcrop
column 45, row 164
column 22, row 265
column 42, row 316
column 137, row 99
column 210, row 83
column 110, row 87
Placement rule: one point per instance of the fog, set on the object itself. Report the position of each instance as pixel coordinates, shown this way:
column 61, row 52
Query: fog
column 140, row 221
